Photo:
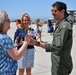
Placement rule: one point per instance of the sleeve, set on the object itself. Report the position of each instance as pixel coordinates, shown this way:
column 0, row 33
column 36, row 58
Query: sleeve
column 58, row 41
column 7, row 43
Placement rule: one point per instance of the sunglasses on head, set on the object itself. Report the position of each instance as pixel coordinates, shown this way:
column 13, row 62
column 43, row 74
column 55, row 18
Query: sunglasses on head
column 54, row 11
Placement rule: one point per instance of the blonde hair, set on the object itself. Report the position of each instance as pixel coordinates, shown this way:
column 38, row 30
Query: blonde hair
column 25, row 15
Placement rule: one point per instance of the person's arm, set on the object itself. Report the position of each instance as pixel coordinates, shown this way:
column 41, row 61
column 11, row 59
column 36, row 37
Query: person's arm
column 16, row 54
column 37, row 43
column 58, row 42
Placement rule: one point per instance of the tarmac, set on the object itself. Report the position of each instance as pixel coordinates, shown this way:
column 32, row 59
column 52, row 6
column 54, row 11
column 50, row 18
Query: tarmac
column 42, row 62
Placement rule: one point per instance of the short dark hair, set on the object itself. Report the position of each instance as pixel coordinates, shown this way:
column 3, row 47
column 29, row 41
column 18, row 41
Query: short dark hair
column 60, row 5
column 49, row 21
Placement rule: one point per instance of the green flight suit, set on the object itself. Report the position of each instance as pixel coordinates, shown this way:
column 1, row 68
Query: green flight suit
column 61, row 49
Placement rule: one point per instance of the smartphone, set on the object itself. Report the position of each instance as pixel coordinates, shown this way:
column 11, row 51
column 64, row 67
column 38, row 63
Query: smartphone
column 19, row 38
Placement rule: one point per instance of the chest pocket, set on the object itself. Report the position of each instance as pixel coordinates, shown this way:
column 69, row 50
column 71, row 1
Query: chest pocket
column 56, row 40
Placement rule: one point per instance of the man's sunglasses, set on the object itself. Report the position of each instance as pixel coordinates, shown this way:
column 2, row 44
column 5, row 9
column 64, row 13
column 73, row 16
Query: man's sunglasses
column 53, row 11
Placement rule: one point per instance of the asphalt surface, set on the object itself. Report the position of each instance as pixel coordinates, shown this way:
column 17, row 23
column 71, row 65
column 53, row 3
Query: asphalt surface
column 42, row 63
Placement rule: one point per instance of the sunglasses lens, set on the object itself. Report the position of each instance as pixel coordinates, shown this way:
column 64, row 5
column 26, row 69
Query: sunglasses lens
column 53, row 11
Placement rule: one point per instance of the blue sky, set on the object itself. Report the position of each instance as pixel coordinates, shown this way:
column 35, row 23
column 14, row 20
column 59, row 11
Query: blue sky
column 35, row 8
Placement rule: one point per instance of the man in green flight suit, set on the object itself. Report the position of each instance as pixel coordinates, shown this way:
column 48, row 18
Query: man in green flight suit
column 62, row 41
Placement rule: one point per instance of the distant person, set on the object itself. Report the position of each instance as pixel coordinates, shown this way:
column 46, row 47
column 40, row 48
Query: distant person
column 18, row 22
column 27, row 60
column 62, row 41
column 54, row 25
column 50, row 28
column 8, row 52
column 38, row 29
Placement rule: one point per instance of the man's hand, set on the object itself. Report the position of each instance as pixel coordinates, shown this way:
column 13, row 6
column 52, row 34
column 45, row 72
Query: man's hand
column 33, row 42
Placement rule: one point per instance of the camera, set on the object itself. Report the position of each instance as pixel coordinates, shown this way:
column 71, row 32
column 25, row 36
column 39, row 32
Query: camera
column 33, row 33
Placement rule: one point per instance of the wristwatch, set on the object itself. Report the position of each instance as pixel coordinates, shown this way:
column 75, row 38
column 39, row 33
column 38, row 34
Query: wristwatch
column 38, row 43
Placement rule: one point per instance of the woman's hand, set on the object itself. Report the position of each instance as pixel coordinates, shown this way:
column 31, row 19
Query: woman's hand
column 28, row 37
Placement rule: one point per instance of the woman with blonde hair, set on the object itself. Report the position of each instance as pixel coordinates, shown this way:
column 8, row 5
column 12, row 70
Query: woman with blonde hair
column 27, row 60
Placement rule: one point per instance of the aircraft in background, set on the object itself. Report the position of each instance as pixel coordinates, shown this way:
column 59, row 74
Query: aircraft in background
column 72, row 14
